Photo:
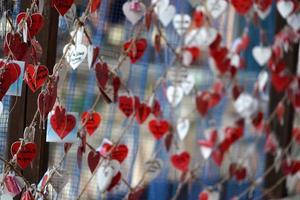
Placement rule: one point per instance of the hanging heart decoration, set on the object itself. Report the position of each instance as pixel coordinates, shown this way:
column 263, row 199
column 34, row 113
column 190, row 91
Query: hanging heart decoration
column 181, row 23
column 285, row 7
column 34, row 23
column 26, row 153
column 10, row 74
column 93, row 160
column 216, row 7
column 95, row 5
column 62, row 6
column 175, row 95
column 281, row 82
column 35, row 76
column 262, row 54
column 237, row 171
column 134, row 11
column 142, row 113
column 75, row 54
column 126, row 105
column 183, row 126
column 91, row 121
column 135, row 49
column 181, row 161
column 14, row 46
column 158, row 128
column 166, row 14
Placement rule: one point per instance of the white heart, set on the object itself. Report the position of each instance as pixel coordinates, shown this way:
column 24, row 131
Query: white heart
column 105, row 174
column 285, row 8
column 202, row 37
column 75, row 55
column 260, row 13
column 246, row 105
column 187, row 58
column 160, row 5
column 174, row 95
column 188, row 84
column 216, row 7
column 181, row 23
column 166, row 16
column 183, row 126
column 262, row 54
column 206, row 151
column 1, row 108
column 131, row 15
column 294, row 21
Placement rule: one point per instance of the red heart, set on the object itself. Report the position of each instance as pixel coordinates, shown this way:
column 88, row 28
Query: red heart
column 236, row 91
column 25, row 155
column 136, row 195
column 102, row 74
column 204, row 195
column 156, row 111
column 115, row 180
column 35, row 76
column 218, row 156
column 181, row 161
column 14, row 45
column 217, row 42
column 142, row 113
column 62, row 6
column 239, row 172
column 202, row 103
column 126, row 105
column 96, row 51
column 11, row 72
column 242, row 6
column 281, row 82
column 263, row 5
column 35, row 22
column 95, row 5
column 243, row 44
column 64, row 127
column 119, row 153
column 93, row 160
column 258, row 120
column 214, row 99
column 198, row 16
column 91, row 120
column 159, row 128
column 135, row 49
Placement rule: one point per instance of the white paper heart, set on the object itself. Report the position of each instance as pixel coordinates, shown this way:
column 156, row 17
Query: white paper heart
column 1, row 108
column 75, row 55
column 166, row 16
column 188, row 84
column 181, row 23
column 183, row 126
column 153, row 168
column 262, row 54
column 174, row 95
column 105, row 174
column 262, row 81
column 202, row 37
column 132, row 15
column 160, row 5
column 216, row 7
column 206, row 151
column 285, row 8
column 294, row 21
column 246, row 105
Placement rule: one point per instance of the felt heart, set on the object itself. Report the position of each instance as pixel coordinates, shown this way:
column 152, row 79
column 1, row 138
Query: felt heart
column 75, row 54
column 135, row 49
column 142, row 113
column 216, row 7
column 285, row 8
column 10, row 74
column 35, row 76
column 25, row 155
column 183, row 126
column 126, row 105
column 202, row 103
column 158, row 128
column 62, row 6
column 119, row 153
column 294, row 21
column 65, row 126
column 35, row 22
column 166, row 16
column 281, row 82
column 181, row 161
column 134, row 11
column 93, row 160
column 262, row 54
column 95, row 5
column 181, row 23
column 242, row 6
column 14, row 46
column 175, row 95
column 91, row 121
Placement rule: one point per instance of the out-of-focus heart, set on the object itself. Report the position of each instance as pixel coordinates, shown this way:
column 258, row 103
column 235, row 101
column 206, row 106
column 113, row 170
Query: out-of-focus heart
column 134, row 11
column 262, row 54
column 181, row 23
column 216, row 7
column 175, row 95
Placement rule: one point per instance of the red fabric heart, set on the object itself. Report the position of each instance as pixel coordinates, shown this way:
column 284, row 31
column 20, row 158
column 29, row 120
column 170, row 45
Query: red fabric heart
column 10, row 74
column 14, row 46
column 64, row 127
column 135, row 49
column 142, row 113
column 181, row 161
column 119, row 153
column 242, row 6
column 158, row 128
column 95, row 5
column 93, row 160
column 91, row 120
column 218, row 156
column 35, row 22
column 126, row 105
column 202, row 103
column 62, row 6
column 115, row 181
column 281, row 82
column 156, row 111
column 35, row 76
column 276, row 68
column 26, row 154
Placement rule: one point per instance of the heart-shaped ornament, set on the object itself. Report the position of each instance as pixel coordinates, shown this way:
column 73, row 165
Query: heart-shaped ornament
column 183, row 127
column 135, row 49
column 158, row 128
column 95, row 5
column 62, row 6
column 181, row 23
column 294, row 21
column 242, row 6
column 119, row 153
column 181, row 161
column 26, row 153
column 14, row 46
column 188, row 84
column 285, row 7
column 93, row 160
column 166, row 16
column 35, row 76
column 281, row 82
column 105, row 174
column 246, row 105
column 126, row 105
column 262, row 54
column 142, row 113
column 65, row 125
column 134, row 11
column 175, row 95
column 160, row 5
column 91, row 121
column 10, row 74
column 75, row 55
column 216, row 7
